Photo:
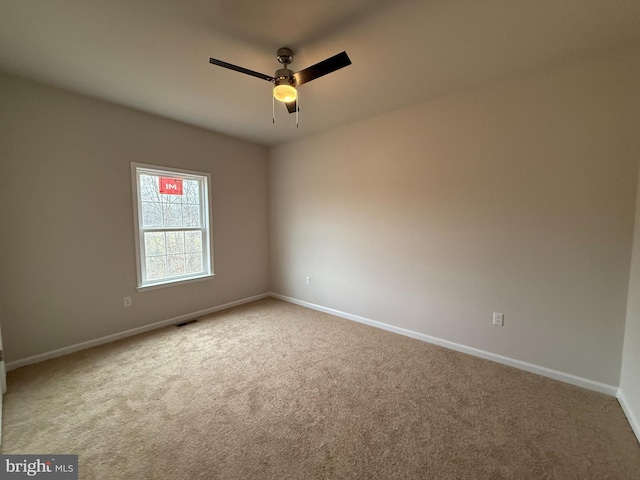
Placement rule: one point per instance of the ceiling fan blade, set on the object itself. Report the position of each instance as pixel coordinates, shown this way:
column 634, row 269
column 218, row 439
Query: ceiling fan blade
column 329, row 65
column 291, row 106
column 230, row 66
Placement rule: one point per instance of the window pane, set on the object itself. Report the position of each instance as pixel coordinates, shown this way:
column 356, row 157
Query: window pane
column 151, row 214
column 154, row 244
column 172, row 215
column 149, row 188
column 193, row 241
column 175, row 265
column 156, row 268
column 175, row 242
column 191, row 190
column 194, row 263
column 174, row 199
column 191, row 215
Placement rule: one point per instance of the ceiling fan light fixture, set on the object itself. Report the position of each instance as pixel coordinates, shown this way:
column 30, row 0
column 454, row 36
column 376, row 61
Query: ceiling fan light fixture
column 285, row 82
column 285, row 93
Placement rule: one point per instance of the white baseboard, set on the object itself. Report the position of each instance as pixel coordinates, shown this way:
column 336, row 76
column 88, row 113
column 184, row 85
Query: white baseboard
column 512, row 362
column 127, row 333
column 546, row 372
column 626, row 408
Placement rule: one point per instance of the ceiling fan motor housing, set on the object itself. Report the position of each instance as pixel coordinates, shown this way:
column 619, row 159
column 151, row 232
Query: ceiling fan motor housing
column 285, row 56
column 284, row 75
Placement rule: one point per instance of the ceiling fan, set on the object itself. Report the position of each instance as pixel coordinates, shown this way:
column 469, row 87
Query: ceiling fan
column 285, row 81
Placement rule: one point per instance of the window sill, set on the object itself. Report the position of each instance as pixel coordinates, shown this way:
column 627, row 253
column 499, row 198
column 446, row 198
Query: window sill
column 173, row 283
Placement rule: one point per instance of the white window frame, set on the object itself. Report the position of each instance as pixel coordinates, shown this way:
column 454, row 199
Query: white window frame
column 207, row 239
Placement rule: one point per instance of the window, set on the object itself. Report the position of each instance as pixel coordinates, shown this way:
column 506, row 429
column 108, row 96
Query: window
column 173, row 241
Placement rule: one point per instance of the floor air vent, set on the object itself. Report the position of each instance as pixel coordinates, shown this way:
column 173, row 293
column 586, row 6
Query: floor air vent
column 188, row 322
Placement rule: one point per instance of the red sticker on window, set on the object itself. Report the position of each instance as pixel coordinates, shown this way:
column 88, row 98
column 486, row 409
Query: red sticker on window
column 171, row 186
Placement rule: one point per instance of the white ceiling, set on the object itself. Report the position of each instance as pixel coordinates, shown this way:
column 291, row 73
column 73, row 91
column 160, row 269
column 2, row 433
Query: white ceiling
column 153, row 55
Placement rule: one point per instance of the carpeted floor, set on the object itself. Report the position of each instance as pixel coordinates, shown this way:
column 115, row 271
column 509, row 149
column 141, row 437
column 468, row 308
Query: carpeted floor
column 271, row 390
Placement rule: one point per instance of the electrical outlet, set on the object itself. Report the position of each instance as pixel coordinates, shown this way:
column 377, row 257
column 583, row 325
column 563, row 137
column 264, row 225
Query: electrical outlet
column 307, row 280
column 127, row 301
column 498, row 319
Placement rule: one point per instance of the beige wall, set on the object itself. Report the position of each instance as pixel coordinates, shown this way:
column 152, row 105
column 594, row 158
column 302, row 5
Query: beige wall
column 630, row 375
column 516, row 197
column 68, row 255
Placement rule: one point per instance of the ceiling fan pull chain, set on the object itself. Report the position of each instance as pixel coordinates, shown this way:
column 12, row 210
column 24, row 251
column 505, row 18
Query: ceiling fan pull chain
column 273, row 109
column 297, row 108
